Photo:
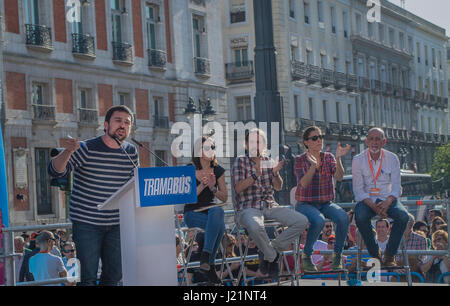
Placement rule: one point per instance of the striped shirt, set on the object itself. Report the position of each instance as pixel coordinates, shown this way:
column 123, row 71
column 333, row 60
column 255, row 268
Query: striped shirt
column 321, row 188
column 98, row 172
column 260, row 194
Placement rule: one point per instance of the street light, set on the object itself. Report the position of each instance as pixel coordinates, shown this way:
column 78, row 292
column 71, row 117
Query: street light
column 204, row 108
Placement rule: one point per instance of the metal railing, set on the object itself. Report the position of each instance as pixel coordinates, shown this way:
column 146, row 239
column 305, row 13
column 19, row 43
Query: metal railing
column 157, row 58
column 122, row 52
column 202, row 66
column 83, row 44
column 239, row 70
column 8, row 237
column 88, row 115
column 42, row 112
column 38, row 35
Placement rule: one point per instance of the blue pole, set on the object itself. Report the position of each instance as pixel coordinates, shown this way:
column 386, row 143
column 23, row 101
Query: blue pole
column 4, row 218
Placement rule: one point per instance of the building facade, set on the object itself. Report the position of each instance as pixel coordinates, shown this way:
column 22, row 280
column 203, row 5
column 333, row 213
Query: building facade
column 345, row 74
column 61, row 77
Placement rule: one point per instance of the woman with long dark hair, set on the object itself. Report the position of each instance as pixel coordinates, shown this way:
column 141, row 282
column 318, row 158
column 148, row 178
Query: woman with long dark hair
column 210, row 185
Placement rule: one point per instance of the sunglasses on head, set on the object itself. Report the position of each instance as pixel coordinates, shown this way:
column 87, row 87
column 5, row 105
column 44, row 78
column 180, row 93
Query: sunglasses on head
column 314, row 138
column 207, row 148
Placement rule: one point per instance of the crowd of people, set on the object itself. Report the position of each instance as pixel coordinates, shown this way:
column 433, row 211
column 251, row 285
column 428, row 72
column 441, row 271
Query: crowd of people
column 45, row 255
column 419, row 235
column 376, row 188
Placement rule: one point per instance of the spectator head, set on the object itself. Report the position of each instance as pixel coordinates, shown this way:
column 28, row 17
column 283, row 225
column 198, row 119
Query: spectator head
column 256, row 142
column 178, row 244
column 439, row 240
column 68, row 250
column 26, row 237
column 437, row 221
column 420, row 226
column 19, row 244
column 421, row 233
column 204, row 147
column 443, row 227
column 382, row 227
column 312, row 137
column 327, row 230
column 433, row 214
column 229, row 242
column 46, row 241
column 62, row 233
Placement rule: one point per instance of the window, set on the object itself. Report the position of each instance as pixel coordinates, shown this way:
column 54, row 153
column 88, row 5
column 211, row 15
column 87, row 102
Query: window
column 410, row 45
column 429, row 125
column 418, row 51
column 422, row 123
column 124, row 99
column 117, row 10
column 391, row 37
column 333, row 20
column 349, row 109
column 43, row 188
column 381, row 32
column 38, row 94
column 320, row 16
column 440, row 59
column 297, row 110
column 243, row 108
column 433, row 57
column 161, row 155
column 32, row 11
column 358, row 24
column 426, row 55
column 345, row 23
column 324, row 106
column 401, row 39
column 237, row 13
column 151, row 17
column 338, row 115
column 311, row 108
column 84, row 95
column 292, row 8
column 158, row 107
column 294, row 52
column 309, row 59
column 307, row 12
column 323, row 61
column 241, row 57
column 198, row 31
column 370, row 30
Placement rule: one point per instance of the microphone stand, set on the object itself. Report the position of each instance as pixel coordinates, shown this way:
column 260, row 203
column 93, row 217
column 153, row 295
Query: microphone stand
column 126, row 153
column 147, row 149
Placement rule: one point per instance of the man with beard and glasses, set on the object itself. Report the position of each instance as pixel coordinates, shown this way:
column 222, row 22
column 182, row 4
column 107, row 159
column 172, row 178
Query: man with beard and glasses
column 101, row 166
column 377, row 189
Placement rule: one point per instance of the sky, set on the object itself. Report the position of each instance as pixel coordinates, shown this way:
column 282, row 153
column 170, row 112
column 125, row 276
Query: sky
column 435, row 11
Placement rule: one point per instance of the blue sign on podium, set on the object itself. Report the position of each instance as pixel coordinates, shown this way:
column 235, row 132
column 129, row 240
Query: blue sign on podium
column 159, row 186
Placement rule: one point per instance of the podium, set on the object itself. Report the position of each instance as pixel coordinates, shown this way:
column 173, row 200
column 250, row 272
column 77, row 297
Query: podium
column 147, row 237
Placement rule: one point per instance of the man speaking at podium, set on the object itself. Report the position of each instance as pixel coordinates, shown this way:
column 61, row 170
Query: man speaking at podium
column 101, row 166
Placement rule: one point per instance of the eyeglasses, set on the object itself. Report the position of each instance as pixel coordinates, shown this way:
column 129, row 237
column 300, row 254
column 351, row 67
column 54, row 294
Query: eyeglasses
column 331, row 242
column 314, row 138
column 69, row 251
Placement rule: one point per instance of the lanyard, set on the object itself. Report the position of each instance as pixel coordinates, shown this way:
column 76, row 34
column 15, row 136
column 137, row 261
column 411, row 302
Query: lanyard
column 375, row 178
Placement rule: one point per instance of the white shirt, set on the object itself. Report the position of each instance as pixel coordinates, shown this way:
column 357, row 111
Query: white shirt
column 382, row 245
column 389, row 180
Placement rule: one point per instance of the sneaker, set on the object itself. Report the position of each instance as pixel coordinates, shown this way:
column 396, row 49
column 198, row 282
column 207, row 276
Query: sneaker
column 389, row 260
column 308, row 265
column 274, row 267
column 336, row 262
column 204, row 261
column 263, row 264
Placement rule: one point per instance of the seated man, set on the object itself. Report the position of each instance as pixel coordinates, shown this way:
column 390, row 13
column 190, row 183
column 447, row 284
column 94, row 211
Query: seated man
column 377, row 188
column 254, row 183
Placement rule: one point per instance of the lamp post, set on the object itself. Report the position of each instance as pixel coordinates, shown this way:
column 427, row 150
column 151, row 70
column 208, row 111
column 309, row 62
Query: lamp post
column 205, row 109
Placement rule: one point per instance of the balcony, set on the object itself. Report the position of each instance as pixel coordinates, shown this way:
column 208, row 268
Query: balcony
column 398, row 93
column 202, row 67
column 160, row 122
column 122, row 53
column 326, row 77
column 239, row 72
column 88, row 116
column 299, row 70
column 340, row 80
column 44, row 113
column 352, row 83
column 418, row 97
column 364, row 84
column 157, row 59
column 407, row 93
column 313, row 74
column 83, row 46
column 39, row 37
column 387, row 89
column 237, row 16
column 376, row 86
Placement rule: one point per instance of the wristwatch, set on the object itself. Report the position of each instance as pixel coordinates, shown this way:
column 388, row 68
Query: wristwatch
column 254, row 176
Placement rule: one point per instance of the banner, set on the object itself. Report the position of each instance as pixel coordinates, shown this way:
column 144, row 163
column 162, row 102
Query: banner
column 4, row 215
column 159, row 186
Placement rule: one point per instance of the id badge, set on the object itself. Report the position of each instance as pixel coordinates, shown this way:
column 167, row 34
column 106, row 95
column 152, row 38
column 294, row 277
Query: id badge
column 374, row 192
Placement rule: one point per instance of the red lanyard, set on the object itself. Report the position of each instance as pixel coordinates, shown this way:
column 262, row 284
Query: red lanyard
column 375, row 178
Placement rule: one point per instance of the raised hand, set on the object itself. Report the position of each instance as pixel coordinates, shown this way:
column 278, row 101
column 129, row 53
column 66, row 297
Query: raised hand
column 211, row 181
column 278, row 166
column 342, row 151
column 71, row 145
column 314, row 162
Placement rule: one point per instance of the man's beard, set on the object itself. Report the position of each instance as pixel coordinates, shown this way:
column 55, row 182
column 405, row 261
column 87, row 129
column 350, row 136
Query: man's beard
column 114, row 135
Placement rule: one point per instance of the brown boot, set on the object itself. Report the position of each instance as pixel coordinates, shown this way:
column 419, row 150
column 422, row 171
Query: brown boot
column 389, row 260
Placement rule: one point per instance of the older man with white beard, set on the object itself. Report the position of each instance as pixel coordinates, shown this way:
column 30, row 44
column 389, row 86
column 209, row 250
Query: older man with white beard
column 377, row 189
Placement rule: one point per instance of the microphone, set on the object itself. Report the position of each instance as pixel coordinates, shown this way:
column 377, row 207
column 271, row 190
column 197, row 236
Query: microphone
column 126, row 153
column 147, row 149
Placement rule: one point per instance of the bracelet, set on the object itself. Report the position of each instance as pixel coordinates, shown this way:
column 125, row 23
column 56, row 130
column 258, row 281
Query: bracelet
column 254, row 176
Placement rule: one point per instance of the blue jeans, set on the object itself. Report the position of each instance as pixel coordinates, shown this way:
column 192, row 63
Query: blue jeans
column 316, row 214
column 363, row 217
column 92, row 243
column 214, row 225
